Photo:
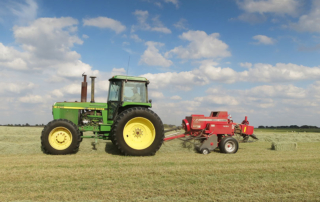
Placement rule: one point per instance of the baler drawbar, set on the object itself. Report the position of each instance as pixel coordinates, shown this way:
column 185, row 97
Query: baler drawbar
column 214, row 131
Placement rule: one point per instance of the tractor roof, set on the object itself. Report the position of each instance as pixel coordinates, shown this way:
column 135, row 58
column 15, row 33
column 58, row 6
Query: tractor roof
column 131, row 78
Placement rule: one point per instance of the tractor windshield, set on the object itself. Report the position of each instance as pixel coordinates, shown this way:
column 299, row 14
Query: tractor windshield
column 135, row 92
column 114, row 91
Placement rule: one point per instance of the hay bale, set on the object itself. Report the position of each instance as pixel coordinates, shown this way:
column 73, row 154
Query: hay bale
column 284, row 146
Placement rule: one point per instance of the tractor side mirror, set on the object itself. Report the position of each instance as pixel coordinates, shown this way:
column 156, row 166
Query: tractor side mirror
column 150, row 101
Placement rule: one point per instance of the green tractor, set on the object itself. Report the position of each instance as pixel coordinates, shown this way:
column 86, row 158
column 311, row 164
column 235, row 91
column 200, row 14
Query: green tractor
column 125, row 119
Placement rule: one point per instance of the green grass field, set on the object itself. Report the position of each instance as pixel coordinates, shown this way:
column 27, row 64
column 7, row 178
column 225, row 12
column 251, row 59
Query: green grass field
column 254, row 173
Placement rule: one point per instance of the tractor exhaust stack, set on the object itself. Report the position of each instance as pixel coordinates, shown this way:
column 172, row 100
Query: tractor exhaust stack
column 84, row 88
column 92, row 88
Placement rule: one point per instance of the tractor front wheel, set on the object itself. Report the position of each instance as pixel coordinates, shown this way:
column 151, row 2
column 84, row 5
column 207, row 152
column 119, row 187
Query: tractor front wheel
column 60, row 136
column 228, row 145
column 138, row 131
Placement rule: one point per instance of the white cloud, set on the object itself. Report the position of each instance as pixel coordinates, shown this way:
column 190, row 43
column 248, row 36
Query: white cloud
column 175, row 97
column 251, row 18
column 155, row 94
column 262, row 39
column 12, row 58
column 246, row 65
column 201, row 46
column 208, row 72
column 279, row 7
column 104, row 22
column 75, row 69
column 47, row 41
column 33, row 99
column 16, row 88
column 142, row 17
column 309, row 22
column 181, row 24
column 159, row 27
column 281, row 72
column 158, row 4
column 25, row 12
column 277, row 91
column 136, row 38
column 175, row 2
column 152, row 57
column 85, row 36
column 57, row 93
column 118, row 71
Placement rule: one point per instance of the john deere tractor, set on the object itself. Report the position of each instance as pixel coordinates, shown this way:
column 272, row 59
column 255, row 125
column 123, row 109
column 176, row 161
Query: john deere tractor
column 126, row 120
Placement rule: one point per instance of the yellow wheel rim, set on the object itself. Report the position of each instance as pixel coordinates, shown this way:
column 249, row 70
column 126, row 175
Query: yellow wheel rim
column 139, row 133
column 60, row 138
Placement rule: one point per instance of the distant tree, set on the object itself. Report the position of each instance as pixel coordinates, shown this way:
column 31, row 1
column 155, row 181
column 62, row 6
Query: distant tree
column 305, row 126
column 261, row 127
column 293, row 126
column 27, row 124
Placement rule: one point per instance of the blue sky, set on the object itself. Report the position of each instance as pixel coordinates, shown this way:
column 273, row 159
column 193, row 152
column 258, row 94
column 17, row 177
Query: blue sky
column 250, row 57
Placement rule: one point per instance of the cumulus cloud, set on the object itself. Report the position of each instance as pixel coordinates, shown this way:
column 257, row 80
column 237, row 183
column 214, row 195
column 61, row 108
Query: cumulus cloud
column 175, row 2
column 208, row 72
column 105, row 22
column 26, row 12
column 142, row 17
column 175, row 97
column 155, row 94
column 136, row 38
column 262, row 39
column 309, row 22
column 75, row 69
column 201, row 46
column 279, row 7
column 251, row 18
column 282, row 72
column 277, row 91
column 48, row 41
column 16, row 88
column 33, row 99
column 246, row 65
column 46, row 47
column 12, row 58
column 152, row 57
column 181, row 24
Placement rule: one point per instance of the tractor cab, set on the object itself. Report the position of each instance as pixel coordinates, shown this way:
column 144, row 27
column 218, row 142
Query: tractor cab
column 126, row 92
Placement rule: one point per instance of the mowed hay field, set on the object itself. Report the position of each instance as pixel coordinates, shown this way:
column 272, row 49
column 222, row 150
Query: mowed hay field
column 254, row 173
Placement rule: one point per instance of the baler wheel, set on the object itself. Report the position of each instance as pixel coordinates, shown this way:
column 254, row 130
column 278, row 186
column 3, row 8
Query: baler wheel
column 138, row 131
column 228, row 145
column 205, row 151
column 60, row 136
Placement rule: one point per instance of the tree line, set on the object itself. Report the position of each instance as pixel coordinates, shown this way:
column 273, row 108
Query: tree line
column 291, row 126
column 23, row 125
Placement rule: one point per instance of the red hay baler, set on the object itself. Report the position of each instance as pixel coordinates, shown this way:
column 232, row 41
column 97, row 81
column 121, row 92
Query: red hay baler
column 214, row 131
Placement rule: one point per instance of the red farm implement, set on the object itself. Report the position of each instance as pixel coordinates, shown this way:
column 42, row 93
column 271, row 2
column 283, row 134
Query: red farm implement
column 214, row 131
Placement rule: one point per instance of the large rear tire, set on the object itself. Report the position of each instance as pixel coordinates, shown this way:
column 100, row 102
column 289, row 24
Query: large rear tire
column 228, row 145
column 138, row 131
column 60, row 136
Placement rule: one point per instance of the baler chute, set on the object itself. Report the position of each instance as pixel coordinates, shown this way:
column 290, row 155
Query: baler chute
column 214, row 131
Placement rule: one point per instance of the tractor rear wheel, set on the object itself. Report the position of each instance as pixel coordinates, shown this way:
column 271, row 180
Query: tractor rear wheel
column 228, row 145
column 60, row 136
column 138, row 131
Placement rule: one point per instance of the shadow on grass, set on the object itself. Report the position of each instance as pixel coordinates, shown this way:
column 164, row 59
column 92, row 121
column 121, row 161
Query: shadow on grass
column 111, row 149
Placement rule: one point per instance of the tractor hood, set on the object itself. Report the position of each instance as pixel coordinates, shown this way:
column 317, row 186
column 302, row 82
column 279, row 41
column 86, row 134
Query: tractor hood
column 80, row 105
